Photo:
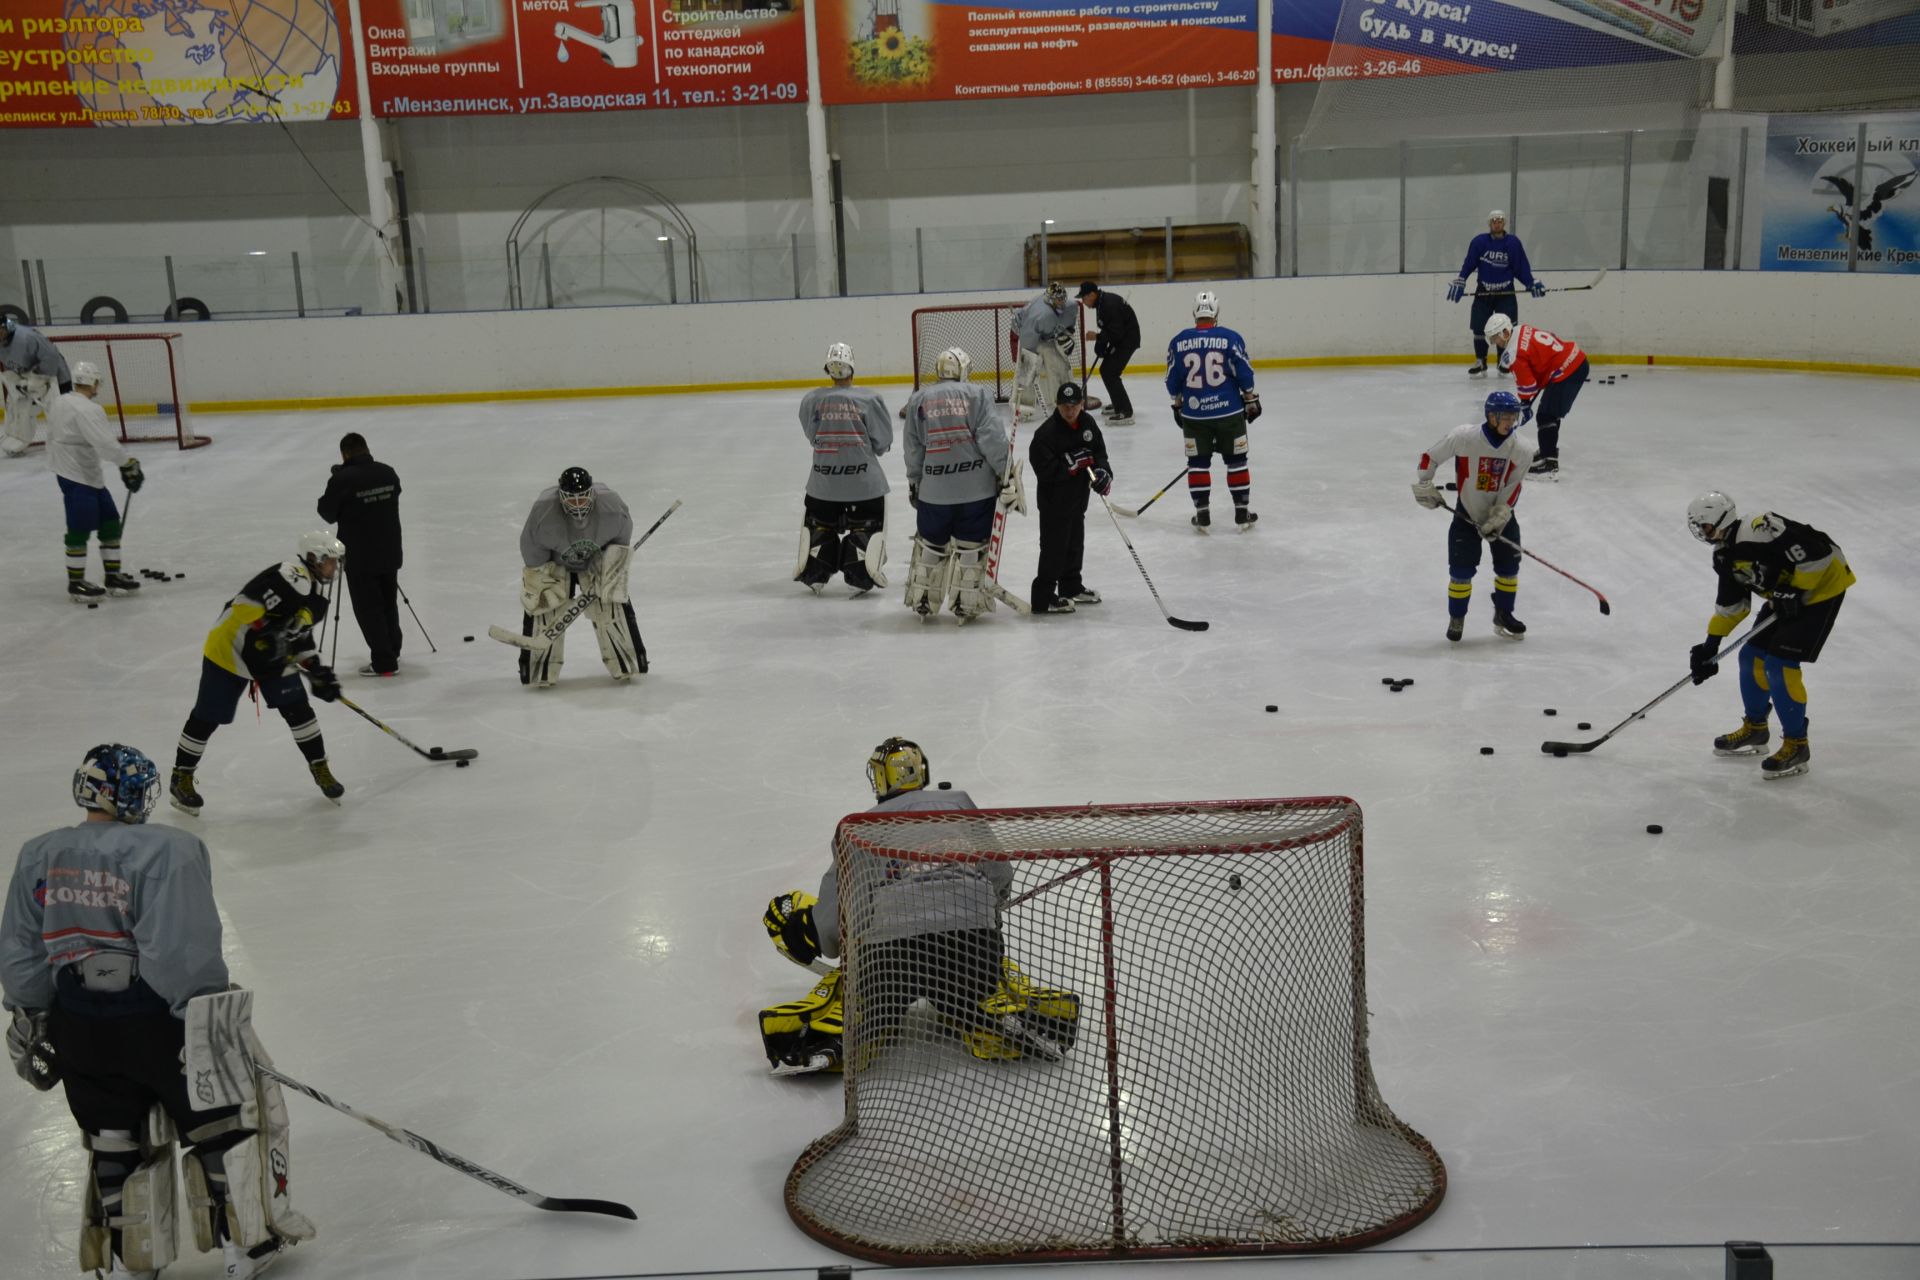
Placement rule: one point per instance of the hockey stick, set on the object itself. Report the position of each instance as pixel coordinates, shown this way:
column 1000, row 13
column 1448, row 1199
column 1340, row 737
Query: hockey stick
column 1581, row 748
column 1605, row 608
column 997, row 539
column 1185, row 624
column 416, row 617
column 1156, row 497
column 544, row 641
column 1571, row 288
column 435, row 753
column 657, row 523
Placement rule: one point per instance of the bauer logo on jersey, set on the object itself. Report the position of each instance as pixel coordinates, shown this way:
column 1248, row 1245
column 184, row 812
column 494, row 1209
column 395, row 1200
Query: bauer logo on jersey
column 952, row 468
column 1493, row 474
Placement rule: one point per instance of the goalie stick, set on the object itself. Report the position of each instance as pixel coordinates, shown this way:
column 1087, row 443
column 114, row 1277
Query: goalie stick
column 435, row 754
column 1185, row 624
column 657, row 523
column 1605, row 608
column 1581, row 748
column 1571, row 288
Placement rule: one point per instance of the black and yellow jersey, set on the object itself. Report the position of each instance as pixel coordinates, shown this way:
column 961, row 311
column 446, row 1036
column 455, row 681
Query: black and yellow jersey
column 266, row 629
column 1775, row 557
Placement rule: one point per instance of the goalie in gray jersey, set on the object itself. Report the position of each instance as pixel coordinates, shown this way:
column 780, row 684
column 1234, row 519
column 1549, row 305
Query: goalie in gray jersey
column 1046, row 329
column 33, row 372
column 845, row 527
column 575, row 540
column 957, row 466
column 925, row 932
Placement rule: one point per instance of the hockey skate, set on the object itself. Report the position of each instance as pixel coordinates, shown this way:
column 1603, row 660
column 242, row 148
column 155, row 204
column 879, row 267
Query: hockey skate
column 80, row 591
column 323, row 778
column 369, row 671
column 1505, row 624
column 802, row 1063
column 1243, row 519
column 1119, row 419
column 1477, row 368
column 245, row 1264
column 1546, row 468
column 1033, row 1042
column 181, row 793
column 1456, row 627
column 1203, row 519
column 1059, row 605
column 1750, row 739
column 1085, row 595
column 1792, row 757
column 120, row 584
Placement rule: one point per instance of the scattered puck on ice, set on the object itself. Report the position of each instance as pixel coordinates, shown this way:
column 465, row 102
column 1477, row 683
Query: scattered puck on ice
column 1486, row 751
column 179, row 575
column 946, row 786
column 1654, row 828
column 1388, row 680
column 92, row 605
column 1396, row 686
column 1233, row 882
column 1406, row 679
column 1626, row 375
column 1452, row 485
column 1584, row 725
column 469, row 639
column 460, row 764
column 1272, row 706
column 1548, row 711
column 1560, row 754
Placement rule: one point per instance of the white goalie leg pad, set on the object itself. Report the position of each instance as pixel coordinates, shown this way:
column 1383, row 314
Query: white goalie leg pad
column 927, row 576
column 145, row 1212
column 874, row 555
column 617, row 648
column 543, row 587
column 1053, row 371
column 543, row 665
column 968, row 592
column 609, row 577
column 28, row 396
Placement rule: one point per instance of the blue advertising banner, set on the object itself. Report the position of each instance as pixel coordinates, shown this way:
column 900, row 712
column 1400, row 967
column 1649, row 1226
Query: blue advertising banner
column 1821, row 192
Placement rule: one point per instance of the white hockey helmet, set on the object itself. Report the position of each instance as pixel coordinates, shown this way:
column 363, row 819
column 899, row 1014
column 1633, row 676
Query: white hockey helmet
column 896, row 765
column 1206, row 305
column 953, row 365
column 86, row 374
column 320, row 545
column 1711, row 516
column 839, row 361
column 1497, row 326
column 1496, row 215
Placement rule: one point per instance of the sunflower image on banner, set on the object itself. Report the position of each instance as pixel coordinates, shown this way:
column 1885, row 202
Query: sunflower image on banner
column 882, row 53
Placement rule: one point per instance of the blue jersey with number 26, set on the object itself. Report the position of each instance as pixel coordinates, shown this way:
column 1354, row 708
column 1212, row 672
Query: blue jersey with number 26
column 1207, row 370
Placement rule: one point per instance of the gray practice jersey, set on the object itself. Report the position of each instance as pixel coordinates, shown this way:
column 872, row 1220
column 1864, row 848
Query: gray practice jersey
column 549, row 531
column 849, row 429
column 904, row 900
column 955, row 443
column 1037, row 322
column 109, row 887
column 30, row 352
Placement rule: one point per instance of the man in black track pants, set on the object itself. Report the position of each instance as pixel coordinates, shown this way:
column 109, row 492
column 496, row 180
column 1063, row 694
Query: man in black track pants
column 363, row 498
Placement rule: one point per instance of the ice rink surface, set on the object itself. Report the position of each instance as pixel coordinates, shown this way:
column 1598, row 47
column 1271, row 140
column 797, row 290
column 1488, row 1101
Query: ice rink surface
column 551, row 962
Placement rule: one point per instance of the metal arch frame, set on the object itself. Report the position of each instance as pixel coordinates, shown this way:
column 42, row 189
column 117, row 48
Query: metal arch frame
column 654, row 202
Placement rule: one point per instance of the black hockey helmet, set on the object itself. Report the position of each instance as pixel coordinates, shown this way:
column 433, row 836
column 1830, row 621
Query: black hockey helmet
column 576, row 493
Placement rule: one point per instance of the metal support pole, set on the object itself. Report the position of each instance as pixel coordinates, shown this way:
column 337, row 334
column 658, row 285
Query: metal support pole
column 1403, row 208
column 1266, row 186
column 26, row 281
column 1723, row 67
column 839, row 224
column 299, row 291
column 173, row 293
column 796, row 263
column 426, row 294
column 1740, row 199
column 46, row 299
column 693, row 266
column 546, row 273
column 819, row 176
column 1513, row 182
column 1045, row 272
column 1626, row 196
column 1169, row 248
column 1293, row 201
column 919, row 262
column 1853, row 220
column 673, row 284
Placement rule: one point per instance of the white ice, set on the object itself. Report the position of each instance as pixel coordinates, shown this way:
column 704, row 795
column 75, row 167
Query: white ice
column 551, row 962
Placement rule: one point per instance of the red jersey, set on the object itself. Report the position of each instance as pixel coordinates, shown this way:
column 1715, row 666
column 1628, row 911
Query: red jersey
column 1537, row 358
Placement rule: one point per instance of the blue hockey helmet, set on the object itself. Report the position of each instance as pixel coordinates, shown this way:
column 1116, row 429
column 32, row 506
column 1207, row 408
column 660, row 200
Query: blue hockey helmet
column 1502, row 402
column 118, row 781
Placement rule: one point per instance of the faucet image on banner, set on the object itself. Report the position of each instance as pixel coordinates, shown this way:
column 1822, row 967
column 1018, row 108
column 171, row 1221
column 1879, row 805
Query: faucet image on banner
column 617, row 42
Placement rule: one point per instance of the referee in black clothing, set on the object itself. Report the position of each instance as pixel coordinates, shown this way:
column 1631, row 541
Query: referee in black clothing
column 1119, row 339
column 363, row 499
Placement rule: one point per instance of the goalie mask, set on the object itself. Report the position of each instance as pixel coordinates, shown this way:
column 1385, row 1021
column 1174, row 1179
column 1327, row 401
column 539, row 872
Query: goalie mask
column 839, row 361
column 576, row 494
column 952, row 365
column 117, row 781
column 896, row 765
column 1056, row 295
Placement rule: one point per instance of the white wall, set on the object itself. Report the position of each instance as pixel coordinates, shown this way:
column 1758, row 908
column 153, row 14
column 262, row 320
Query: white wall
column 1786, row 316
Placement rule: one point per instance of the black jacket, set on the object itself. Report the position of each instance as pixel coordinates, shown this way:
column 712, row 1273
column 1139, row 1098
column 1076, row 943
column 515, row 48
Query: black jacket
column 1048, row 456
column 363, row 498
column 1119, row 327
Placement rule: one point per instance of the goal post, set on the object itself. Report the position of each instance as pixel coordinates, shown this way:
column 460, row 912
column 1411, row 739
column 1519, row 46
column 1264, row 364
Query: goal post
column 142, row 383
column 984, row 330
column 1161, row 1051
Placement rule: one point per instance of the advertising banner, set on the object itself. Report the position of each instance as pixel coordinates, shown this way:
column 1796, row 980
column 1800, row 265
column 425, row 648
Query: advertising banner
column 918, row 50
column 125, row 63
column 1813, row 206
column 1324, row 40
column 520, row 57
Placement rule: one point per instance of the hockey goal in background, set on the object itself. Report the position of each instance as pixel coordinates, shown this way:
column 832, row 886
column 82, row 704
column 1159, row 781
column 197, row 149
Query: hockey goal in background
column 142, row 379
column 1191, row 979
column 984, row 330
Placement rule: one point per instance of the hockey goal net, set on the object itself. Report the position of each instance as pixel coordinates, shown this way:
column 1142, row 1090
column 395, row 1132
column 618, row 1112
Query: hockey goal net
column 142, row 379
column 1162, row 1051
column 984, row 330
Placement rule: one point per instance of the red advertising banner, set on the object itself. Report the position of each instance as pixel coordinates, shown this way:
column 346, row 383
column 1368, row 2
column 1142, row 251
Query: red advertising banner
column 129, row 63
column 520, row 57
column 913, row 50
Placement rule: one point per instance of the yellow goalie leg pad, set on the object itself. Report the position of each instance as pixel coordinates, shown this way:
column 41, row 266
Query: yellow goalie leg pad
column 1046, row 1011
column 792, row 1033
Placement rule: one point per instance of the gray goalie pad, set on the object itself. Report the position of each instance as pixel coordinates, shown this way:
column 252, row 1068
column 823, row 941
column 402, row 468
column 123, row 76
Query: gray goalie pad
column 927, row 577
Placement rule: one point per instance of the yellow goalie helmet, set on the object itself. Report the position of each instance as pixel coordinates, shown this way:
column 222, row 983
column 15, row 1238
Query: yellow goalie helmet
column 896, row 765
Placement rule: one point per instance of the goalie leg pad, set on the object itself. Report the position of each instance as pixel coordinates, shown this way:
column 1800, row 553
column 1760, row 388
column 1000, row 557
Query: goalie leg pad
column 1025, row 1020
column 927, row 576
column 967, row 588
column 541, row 668
column 619, row 635
column 130, row 1204
column 819, row 553
column 238, row 1172
column 801, row 1031
column 863, row 554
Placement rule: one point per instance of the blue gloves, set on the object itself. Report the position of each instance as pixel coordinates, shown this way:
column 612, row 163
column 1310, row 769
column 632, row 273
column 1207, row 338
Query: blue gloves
column 1456, row 289
column 1537, row 289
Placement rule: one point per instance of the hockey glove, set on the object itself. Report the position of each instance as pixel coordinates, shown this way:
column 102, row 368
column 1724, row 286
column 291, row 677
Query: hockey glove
column 1063, row 339
column 1537, row 289
column 27, row 1045
column 1456, row 289
column 1787, row 605
column 1496, row 522
column 1701, row 659
column 1427, row 496
column 1078, row 460
column 1250, row 402
column 913, row 494
column 131, row 476
column 1102, row 481
column 325, row 685
column 1526, row 414
column 789, row 922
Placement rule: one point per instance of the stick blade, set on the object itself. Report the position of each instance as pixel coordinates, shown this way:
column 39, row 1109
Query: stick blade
column 1605, row 608
column 464, row 753
column 610, row 1208
column 1570, row 748
column 1187, row 624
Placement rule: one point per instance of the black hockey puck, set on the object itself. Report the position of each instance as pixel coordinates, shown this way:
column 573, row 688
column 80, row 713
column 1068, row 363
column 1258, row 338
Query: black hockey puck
column 461, row 764
column 1388, row 680
column 1548, row 711
column 1273, row 706
column 1654, row 828
column 1233, row 882
column 1583, row 725
column 946, row 786
column 1486, row 751
column 1396, row 686
column 469, row 639
column 179, row 575
column 92, row 605
column 1560, row 754
column 1406, row 679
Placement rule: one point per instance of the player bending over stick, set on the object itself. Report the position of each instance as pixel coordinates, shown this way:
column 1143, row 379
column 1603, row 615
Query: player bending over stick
column 575, row 538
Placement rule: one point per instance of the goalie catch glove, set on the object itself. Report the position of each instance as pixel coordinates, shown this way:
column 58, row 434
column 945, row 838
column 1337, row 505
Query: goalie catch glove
column 1250, row 402
column 32, row 1055
column 789, row 922
column 1063, row 339
column 131, row 475
column 580, row 555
